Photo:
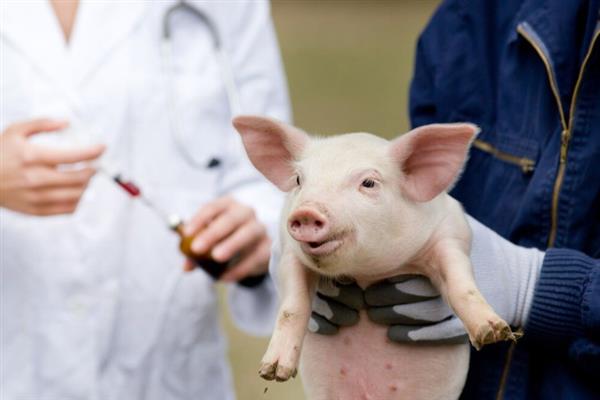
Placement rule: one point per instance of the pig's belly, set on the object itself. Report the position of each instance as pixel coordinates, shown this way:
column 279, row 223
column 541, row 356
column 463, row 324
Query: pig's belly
column 360, row 363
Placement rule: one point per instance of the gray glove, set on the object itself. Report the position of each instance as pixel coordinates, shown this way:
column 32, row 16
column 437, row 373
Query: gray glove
column 414, row 310
column 505, row 273
column 336, row 304
column 406, row 302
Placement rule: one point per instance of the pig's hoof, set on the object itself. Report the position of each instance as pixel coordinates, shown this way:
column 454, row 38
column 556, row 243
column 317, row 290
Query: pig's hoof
column 283, row 373
column 274, row 371
column 267, row 371
column 492, row 332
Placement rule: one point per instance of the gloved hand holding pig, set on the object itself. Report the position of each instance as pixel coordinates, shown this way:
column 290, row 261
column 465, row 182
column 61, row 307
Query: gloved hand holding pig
column 413, row 309
column 362, row 209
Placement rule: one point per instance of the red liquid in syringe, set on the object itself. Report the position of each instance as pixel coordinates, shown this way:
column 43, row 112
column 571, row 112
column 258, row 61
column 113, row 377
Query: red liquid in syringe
column 128, row 186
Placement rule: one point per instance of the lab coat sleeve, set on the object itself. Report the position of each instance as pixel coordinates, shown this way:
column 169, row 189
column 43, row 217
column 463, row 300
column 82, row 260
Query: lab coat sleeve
column 256, row 65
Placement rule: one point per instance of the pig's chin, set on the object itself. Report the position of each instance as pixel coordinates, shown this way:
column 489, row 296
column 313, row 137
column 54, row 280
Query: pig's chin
column 321, row 249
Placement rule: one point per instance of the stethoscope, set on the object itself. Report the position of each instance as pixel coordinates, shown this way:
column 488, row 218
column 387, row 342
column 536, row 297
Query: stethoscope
column 233, row 97
column 233, row 100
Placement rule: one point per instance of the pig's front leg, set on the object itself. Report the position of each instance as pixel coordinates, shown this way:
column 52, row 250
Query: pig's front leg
column 454, row 277
column 296, row 285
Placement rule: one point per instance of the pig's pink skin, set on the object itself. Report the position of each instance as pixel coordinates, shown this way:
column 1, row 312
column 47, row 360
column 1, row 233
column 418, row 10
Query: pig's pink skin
column 388, row 214
column 360, row 363
column 308, row 225
column 381, row 221
column 431, row 158
column 272, row 154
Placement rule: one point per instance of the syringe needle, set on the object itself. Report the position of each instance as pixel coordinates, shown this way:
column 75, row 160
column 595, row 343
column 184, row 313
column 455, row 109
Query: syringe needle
column 133, row 190
column 171, row 219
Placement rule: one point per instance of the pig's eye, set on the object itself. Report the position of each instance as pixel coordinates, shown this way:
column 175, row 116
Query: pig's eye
column 368, row 183
column 298, row 180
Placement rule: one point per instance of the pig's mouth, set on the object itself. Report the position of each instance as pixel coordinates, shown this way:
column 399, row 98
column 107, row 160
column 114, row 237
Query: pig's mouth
column 323, row 248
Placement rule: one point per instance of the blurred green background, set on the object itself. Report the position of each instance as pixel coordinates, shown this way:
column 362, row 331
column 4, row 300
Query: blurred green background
column 349, row 65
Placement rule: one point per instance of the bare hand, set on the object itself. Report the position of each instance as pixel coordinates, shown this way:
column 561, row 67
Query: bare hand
column 29, row 179
column 228, row 228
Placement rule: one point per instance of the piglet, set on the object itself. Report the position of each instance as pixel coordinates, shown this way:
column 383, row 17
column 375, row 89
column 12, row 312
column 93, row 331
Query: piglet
column 363, row 208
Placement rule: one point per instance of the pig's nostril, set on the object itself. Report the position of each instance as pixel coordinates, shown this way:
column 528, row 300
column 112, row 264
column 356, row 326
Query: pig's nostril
column 296, row 224
column 319, row 224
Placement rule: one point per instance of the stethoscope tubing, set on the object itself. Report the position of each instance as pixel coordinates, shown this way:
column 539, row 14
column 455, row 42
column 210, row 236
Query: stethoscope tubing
column 234, row 103
column 227, row 76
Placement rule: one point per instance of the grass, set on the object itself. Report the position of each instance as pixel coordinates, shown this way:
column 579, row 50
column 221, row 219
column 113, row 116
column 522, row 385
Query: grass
column 349, row 65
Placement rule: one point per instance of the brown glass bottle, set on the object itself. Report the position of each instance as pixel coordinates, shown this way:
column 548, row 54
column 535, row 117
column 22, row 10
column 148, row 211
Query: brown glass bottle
column 204, row 260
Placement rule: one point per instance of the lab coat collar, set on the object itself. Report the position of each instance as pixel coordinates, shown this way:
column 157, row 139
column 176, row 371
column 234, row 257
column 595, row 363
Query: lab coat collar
column 100, row 28
column 33, row 30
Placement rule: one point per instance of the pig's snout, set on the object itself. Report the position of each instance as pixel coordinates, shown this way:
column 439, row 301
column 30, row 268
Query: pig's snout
column 308, row 225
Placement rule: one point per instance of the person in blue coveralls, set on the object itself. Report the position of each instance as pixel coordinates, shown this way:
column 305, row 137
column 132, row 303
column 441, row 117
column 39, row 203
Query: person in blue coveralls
column 528, row 73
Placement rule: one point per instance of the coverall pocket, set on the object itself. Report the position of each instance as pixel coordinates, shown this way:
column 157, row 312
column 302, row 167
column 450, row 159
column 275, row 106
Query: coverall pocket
column 499, row 165
column 511, row 150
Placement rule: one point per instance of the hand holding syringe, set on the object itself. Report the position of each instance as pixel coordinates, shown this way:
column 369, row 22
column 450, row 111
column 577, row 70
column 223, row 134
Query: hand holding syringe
column 172, row 221
column 204, row 260
column 79, row 138
column 253, row 246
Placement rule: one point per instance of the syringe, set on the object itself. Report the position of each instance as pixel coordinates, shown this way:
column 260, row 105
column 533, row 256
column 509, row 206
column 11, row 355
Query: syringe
column 175, row 223
column 172, row 220
column 215, row 269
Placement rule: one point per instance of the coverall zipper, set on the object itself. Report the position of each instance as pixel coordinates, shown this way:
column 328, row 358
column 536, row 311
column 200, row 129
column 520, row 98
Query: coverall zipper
column 524, row 30
column 527, row 165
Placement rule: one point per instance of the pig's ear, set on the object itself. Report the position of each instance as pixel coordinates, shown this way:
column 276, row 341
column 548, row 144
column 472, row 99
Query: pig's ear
column 431, row 158
column 272, row 146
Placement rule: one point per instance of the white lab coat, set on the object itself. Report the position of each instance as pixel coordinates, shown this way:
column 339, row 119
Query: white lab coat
column 85, row 306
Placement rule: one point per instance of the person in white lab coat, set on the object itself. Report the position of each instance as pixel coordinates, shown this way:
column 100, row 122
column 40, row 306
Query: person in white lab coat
column 94, row 303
